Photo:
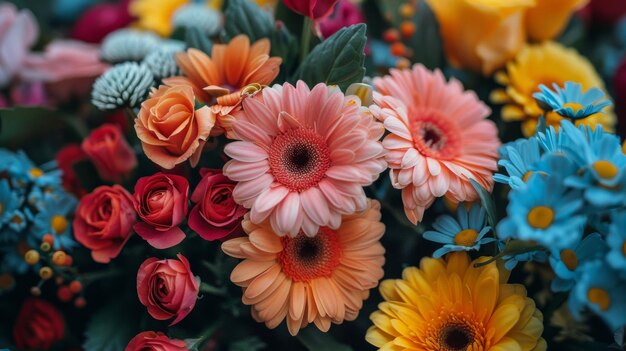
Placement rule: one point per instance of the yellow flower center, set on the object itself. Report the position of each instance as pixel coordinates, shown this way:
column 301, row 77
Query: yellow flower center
column 569, row 258
column 17, row 219
column 527, row 175
column 574, row 106
column 59, row 224
column 624, row 248
column 540, row 217
column 605, row 169
column 599, row 297
column 1, row 208
column 36, row 172
column 466, row 237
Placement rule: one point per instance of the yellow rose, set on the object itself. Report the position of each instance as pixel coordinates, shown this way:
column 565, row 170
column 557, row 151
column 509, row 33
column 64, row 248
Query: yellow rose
column 481, row 35
column 548, row 18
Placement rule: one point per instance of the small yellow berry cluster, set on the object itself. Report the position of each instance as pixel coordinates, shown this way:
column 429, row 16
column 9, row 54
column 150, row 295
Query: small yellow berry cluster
column 55, row 264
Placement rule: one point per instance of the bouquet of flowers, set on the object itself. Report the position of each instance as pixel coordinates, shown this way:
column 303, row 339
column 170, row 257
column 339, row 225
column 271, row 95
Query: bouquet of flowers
column 437, row 175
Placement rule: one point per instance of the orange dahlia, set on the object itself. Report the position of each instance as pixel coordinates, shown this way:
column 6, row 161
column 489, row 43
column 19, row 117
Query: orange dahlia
column 218, row 80
column 320, row 279
column 448, row 305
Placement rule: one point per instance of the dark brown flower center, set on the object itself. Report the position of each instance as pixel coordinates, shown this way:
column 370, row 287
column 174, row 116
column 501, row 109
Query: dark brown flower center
column 304, row 258
column 456, row 338
column 299, row 159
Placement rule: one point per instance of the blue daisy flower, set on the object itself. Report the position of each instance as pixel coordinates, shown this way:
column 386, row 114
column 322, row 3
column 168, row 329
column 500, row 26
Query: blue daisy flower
column 54, row 219
column 554, row 141
column 519, row 158
column 13, row 258
column 10, row 202
column 466, row 233
column 544, row 211
column 511, row 261
column 600, row 290
column 23, row 172
column 571, row 102
column 556, row 164
column 603, row 165
column 566, row 262
column 617, row 242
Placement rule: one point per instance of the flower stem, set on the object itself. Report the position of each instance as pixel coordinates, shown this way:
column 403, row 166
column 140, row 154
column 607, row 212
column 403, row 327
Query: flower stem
column 305, row 42
column 211, row 289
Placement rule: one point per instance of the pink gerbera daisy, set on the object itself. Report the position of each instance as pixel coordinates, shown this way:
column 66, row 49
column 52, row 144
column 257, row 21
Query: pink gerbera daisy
column 303, row 157
column 440, row 138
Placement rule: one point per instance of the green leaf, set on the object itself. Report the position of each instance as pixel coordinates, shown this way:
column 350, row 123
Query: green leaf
column 248, row 344
column 487, row 202
column 110, row 329
column 18, row 125
column 336, row 61
column 315, row 340
column 246, row 17
column 426, row 42
column 198, row 40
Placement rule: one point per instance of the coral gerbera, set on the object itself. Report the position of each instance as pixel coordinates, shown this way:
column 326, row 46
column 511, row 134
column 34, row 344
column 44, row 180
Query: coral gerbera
column 440, row 138
column 218, row 80
column 304, row 157
column 450, row 305
column 535, row 65
column 319, row 279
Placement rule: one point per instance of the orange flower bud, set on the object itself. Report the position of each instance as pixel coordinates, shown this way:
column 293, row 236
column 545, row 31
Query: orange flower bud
column 76, row 287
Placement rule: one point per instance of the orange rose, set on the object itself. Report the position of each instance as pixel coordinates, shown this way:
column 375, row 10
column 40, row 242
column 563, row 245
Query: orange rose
column 171, row 130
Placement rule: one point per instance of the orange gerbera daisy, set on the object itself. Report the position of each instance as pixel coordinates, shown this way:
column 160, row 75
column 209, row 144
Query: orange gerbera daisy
column 320, row 279
column 221, row 80
column 448, row 305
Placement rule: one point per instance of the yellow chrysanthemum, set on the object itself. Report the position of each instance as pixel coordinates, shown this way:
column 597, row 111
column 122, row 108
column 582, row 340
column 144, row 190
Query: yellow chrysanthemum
column 546, row 63
column 155, row 15
column 448, row 305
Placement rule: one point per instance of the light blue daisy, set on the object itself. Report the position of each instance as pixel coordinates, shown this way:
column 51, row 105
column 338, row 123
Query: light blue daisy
column 519, row 158
column 571, row 102
column 600, row 289
column 617, row 242
column 511, row 261
column 54, row 218
column 544, row 211
column 603, row 165
column 553, row 141
column 566, row 262
column 556, row 164
column 465, row 233
column 12, row 260
column 10, row 202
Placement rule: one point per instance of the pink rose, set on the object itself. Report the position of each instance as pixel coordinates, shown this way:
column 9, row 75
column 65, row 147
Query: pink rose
column 161, row 200
column 104, row 221
column 155, row 341
column 346, row 14
column 215, row 215
column 110, row 153
column 167, row 288
column 18, row 32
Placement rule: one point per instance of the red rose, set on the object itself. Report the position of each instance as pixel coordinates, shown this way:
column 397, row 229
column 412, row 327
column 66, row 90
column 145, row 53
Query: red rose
column 607, row 12
column 66, row 158
column 104, row 221
column 110, row 153
column 99, row 20
column 39, row 324
column 167, row 288
column 314, row 9
column 216, row 214
column 155, row 341
column 162, row 204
